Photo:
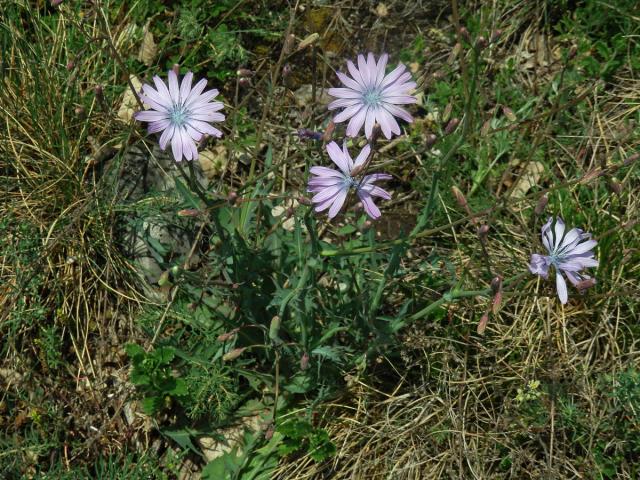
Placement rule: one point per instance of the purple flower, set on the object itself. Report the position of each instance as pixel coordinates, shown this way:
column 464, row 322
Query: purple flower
column 371, row 96
column 182, row 113
column 569, row 253
column 332, row 186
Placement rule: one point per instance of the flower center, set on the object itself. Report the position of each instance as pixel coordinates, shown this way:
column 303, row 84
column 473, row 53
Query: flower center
column 178, row 115
column 372, row 97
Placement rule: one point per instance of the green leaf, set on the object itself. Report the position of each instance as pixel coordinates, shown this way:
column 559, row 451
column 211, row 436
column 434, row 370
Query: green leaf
column 152, row 405
column 186, row 195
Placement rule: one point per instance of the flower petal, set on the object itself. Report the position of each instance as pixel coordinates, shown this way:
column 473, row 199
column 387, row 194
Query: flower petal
column 185, row 87
column 356, row 122
column 561, row 287
column 338, row 157
column 338, row 203
column 369, row 205
column 362, row 156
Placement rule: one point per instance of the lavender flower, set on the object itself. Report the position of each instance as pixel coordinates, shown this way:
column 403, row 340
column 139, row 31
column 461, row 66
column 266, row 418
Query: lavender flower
column 569, row 253
column 371, row 96
column 332, row 186
column 182, row 113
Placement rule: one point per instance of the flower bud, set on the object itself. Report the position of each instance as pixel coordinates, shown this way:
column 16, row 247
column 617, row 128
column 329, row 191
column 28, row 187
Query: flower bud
column 586, row 283
column 286, row 70
column 495, row 36
column 70, row 65
column 268, row 434
column 244, row 72
column 176, row 68
column 464, row 33
column 497, row 302
column 306, row 134
column 459, row 196
column 232, row 198
column 367, row 225
column 541, row 205
column 375, row 133
column 451, row 126
column 483, row 232
column 55, row 3
column 328, row 133
column 288, row 43
column 188, row 212
column 496, row 284
column 302, row 200
column 99, row 91
column 507, row 112
column 274, row 329
column 228, row 335
column 446, row 114
column 430, row 140
column 79, row 111
column 482, row 325
column 233, row 354
column 304, row 361
column 572, row 52
column 481, row 43
column 244, row 82
column 615, row 187
column 486, row 126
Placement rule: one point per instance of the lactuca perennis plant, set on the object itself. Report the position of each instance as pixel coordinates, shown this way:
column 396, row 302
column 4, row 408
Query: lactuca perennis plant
column 371, row 96
column 183, row 114
column 331, row 187
column 569, row 252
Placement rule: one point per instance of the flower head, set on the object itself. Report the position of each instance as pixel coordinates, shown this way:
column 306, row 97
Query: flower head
column 332, row 186
column 569, row 252
column 182, row 113
column 371, row 96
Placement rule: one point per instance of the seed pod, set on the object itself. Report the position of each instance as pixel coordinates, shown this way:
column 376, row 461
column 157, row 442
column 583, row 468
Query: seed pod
column 541, row 205
column 482, row 325
column 233, row 354
column 451, row 126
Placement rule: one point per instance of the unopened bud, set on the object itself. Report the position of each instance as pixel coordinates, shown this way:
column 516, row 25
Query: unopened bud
column 232, row 198
column 590, row 175
column 268, row 434
column 188, row 212
column 446, row 114
column 274, row 329
column 367, row 225
column 233, row 354
column 482, row 325
column 304, row 201
column 288, row 43
column 228, row 335
column 541, row 205
column 375, row 133
column 486, row 126
column 451, row 126
column 309, row 40
column 430, row 140
column 79, row 111
column 286, row 70
column 328, row 133
column 304, row 361
column 615, row 187
column 70, row 65
column 203, row 141
column 55, row 3
column 306, row 134
column 358, row 207
column 586, row 283
column 483, row 232
column 507, row 112
column 497, row 302
column 176, row 68
column 481, row 43
column 99, row 91
column 495, row 36
column 496, row 284
column 244, row 72
column 464, row 33
column 459, row 196
column 572, row 52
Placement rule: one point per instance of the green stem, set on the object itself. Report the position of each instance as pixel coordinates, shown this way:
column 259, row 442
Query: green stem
column 454, row 294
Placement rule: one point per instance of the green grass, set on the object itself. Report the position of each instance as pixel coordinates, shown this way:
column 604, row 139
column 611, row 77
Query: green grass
column 343, row 349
